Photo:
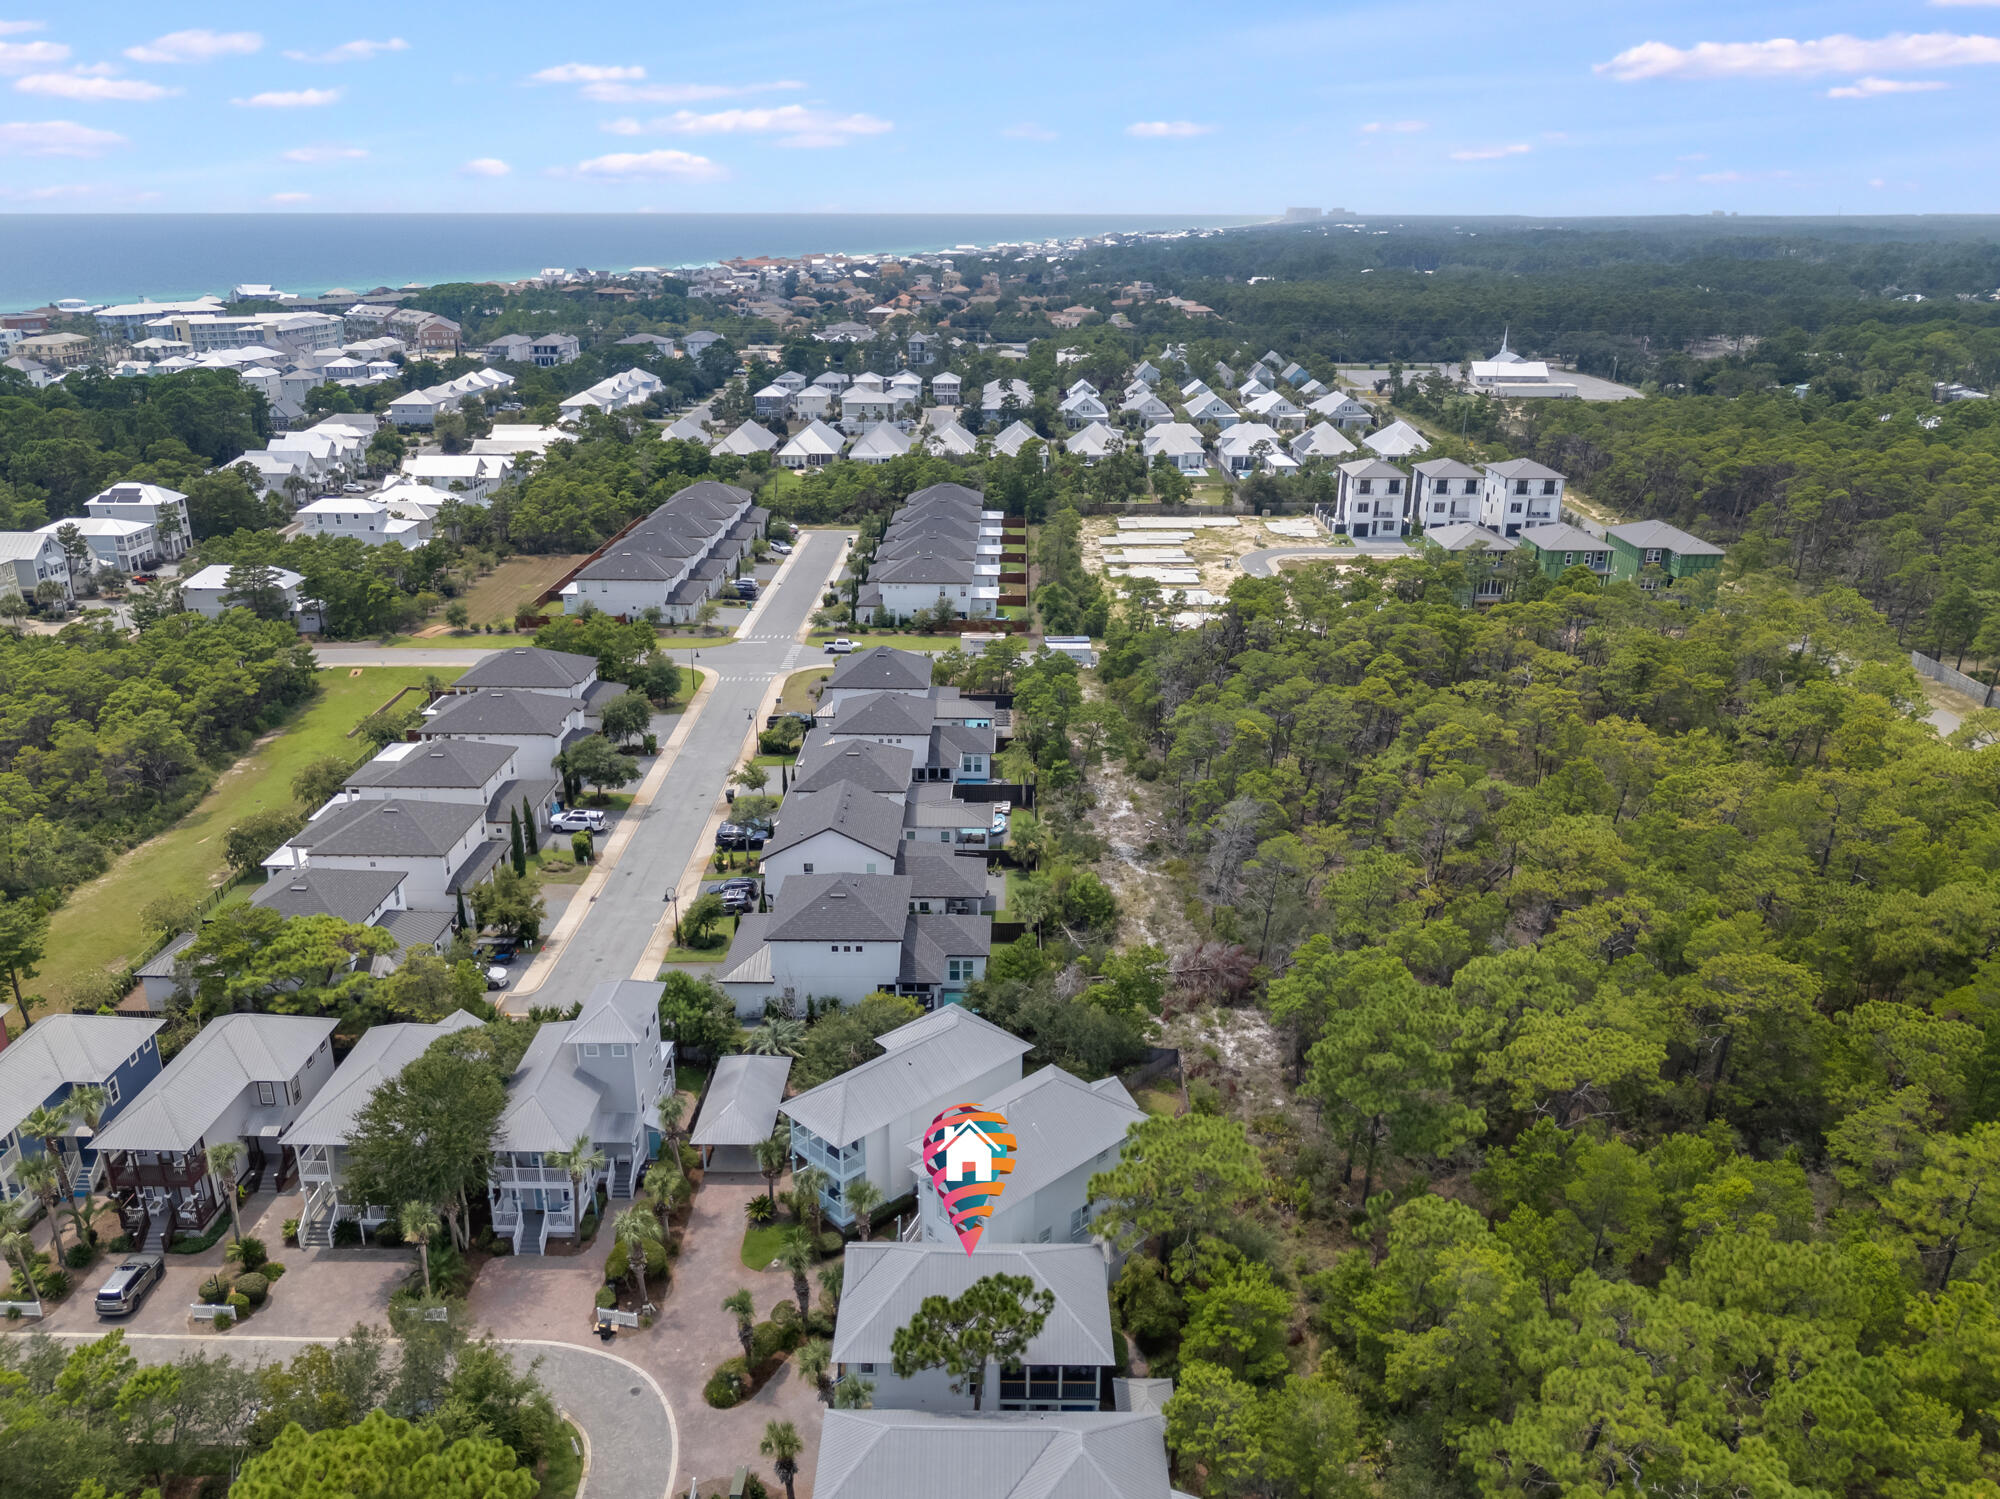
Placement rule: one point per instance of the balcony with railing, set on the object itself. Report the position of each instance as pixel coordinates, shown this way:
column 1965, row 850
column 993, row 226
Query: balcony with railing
column 842, row 1163
column 125, row 1169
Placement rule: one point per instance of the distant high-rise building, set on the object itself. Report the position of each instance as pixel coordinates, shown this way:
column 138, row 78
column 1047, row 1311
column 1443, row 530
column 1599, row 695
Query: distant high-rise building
column 1300, row 215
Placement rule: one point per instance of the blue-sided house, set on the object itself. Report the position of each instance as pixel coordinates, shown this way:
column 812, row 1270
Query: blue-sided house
column 53, row 1058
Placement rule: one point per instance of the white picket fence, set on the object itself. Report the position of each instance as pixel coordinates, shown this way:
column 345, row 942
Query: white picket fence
column 25, row 1308
column 202, row 1312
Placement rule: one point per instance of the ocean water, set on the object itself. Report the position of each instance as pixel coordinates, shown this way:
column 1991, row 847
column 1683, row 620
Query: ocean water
column 122, row 257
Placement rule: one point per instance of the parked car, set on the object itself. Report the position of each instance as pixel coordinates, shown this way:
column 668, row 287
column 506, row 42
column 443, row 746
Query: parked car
column 499, row 954
column 496, row 978
column 130, row 1283
column 145, row 577
column 739, row 837
column 738, row 896
column 840, row 646
column 578, row 820
column 354, row 488
column 781, row 549
column 746, row 588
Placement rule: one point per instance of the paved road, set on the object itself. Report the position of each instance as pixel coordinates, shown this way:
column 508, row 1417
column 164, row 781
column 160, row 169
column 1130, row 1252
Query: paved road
column 1263, row 564
column 750, row 673
column 634, row 1440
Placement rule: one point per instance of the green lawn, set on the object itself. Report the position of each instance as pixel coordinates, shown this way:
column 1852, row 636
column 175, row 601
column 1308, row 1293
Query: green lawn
column 865, row 640
column 98, row 928
column 761, row 1245
column 1158, row 1101
column 797, row 696
column 562, row 1468
column 476, row 640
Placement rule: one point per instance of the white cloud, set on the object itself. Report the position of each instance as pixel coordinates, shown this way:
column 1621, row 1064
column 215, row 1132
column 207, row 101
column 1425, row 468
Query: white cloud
column 1154, row 130
column 355, row 51
column 317, row 155
column 486, row 166
column 1873, row 88
column 15, row 28
column 1029, row 131
column 196, row 46
column 1965, row 2
column 794, row 124
column 1877, row 182
column 625, row 126
column 1784, row 57
column 55, row 138
column 584, row 72
column 298, row 98
column 681, row 164
column 20, row 57
column 91, row 84
column 1490, row 153
column 1395, row 127
column 1693, row 156
column 611, row 92
column 282, row 198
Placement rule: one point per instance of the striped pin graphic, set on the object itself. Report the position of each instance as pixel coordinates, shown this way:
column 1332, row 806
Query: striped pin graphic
column 969, row 1153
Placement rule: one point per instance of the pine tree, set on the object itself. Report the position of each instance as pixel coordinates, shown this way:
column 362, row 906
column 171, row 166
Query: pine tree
column 528, row 827
column 520, row 851
column 463, row 923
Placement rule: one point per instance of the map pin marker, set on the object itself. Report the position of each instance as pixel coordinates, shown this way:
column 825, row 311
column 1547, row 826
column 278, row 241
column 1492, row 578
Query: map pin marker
column 969, row 1152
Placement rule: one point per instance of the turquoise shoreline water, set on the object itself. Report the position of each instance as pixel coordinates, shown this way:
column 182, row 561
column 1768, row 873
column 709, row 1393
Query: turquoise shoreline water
column 122, row 257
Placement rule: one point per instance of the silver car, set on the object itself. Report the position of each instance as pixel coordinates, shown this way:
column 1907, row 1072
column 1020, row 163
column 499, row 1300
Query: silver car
column 122, row 1294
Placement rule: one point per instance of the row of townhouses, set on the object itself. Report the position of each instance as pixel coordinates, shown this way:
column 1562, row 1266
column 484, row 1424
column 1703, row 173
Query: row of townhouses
column 943, row 544
column 876, row 864
column 675, row 559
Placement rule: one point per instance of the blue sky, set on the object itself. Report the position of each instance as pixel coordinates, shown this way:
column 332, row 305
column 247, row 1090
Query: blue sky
column 1438, row 106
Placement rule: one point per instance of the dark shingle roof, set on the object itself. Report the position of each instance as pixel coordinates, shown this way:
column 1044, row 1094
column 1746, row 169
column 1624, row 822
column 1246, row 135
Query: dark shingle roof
column 885, row 713
column 930, row 938
column 500, row 710
column 883, row 669
column 436, row 764
column 529, row 666
column 861, row 815
column 856, row 762
column 350, row 894
column 372, row 828
column 841, row 908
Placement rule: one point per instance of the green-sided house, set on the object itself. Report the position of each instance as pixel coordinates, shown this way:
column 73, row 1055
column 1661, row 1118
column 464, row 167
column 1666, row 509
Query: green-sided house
column 1654, row 554
column 1558, row 548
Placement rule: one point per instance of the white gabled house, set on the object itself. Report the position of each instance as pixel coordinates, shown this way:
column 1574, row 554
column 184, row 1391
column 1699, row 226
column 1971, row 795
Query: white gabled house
column 812, row 446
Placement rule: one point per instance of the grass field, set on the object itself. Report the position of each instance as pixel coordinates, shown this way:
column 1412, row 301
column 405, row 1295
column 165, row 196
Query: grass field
column 98, row 928
column 797, row 696
column 517, row 581
column 761, row 1245
column 562, row 1468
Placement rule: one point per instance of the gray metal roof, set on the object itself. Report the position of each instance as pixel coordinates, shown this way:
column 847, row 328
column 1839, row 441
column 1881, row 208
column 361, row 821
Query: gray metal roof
column 848, row 810
column 930, row 1057
column 529, row 666
column 392, row 827
column 1563, row 538
column 1061, row 1123
column 1657, row 533
column 885, row 1284
column 350, row 894
column 741, row 1107
column 229, row 1053
column 1465, row 538
column 841, row 908
column 1445, row 468
column 78, row 1049
column 996, row 1455
column 1522, row 468
column 382, row 1053
column 500, row 710
column 616, row 1012
column 1149, row 1396
column 883, row 669
column 436, row 764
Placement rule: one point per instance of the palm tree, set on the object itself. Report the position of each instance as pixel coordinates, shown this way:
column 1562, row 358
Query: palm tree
column 87, row 1105
column 223, row 1159
column 740, row 1306
column 48, row 1125
column 780, row 1036
column 16, row 1246
column 831, row 1278
column 782, row 1446
column 799, row 1253
column 807, row 1184
column 854, row 1394
column 814, row 1361
column 638, row 1230
column 580, row 1162
column 673, row 1108
column 420, row 1226
column 862, row 1197
column 772, row 1155
column 42, row 1178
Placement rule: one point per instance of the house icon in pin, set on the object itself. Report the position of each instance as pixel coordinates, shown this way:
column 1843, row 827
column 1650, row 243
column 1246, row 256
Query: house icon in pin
column 968, row 1155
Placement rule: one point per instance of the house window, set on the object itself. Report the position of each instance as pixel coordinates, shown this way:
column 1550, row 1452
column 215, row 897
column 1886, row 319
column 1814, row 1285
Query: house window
column 296, row 1091
column 806, row 868
column 1438, row 508
column 111, row 1089
column 865, row 1368
column 1520, row 486
column 1043, row 1237
column 618, row 1049
column 958, row 970
column 590, row 1049
column 267, row 1093
column 834, row 948
column 1365, row 486
column 1515, row 508
column 1395, row 486
column 1472, row 486
column 1079, row 1222
column 1652, row 554
column 1548, row 486
column 1568, row 558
